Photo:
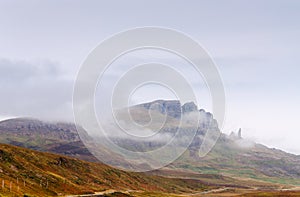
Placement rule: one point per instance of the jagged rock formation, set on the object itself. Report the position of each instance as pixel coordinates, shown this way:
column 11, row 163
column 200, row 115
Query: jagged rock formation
column 171, row 107
column 240, row 133
column 183, row 117
column 189, row 107
column 235, row 136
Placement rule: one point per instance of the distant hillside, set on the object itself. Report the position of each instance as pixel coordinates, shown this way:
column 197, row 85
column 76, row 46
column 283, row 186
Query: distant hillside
column 61, row 138
column 239, row 158
column 232, row 155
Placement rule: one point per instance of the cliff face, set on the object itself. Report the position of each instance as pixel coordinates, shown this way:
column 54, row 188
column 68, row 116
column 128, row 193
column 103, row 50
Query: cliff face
column 39, row 129
column 54, row 137
column 189, row 107
column 174, row 111
column 178, row 116
column 171, row 108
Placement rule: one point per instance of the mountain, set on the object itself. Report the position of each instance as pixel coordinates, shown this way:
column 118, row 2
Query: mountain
column 232, row 156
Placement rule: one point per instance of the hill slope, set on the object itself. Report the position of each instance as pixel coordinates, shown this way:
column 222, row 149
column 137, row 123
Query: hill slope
column 255, row 161
column 232, row 156
column 61, row 138
column 25, row 171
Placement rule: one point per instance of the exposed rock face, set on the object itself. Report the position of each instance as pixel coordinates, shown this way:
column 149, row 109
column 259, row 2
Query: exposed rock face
column 59, row 138
column 37, row 128
column 240, row 133
column 174, row 109
column 189, row 107
column 170, row 107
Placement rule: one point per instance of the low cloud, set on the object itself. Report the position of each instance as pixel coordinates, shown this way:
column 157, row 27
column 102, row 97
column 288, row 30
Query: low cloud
column 38, row 89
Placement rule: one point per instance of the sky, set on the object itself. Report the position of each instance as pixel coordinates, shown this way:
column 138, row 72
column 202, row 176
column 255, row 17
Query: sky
column 255, row 45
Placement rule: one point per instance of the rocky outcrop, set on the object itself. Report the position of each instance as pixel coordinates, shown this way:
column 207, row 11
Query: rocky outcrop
column 174, row 109
column 240, row 133
column 187, row 111
column 236, row 136
column 39, row 129
column 189, row 107
column 170, row 107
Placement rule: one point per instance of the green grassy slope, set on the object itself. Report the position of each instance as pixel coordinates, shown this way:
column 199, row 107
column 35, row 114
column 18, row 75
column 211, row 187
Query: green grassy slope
column 257, row 162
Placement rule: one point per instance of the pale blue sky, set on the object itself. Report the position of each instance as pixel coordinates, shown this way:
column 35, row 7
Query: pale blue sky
column 255, row 44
